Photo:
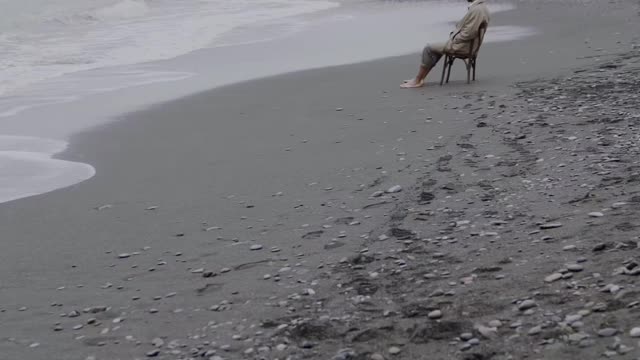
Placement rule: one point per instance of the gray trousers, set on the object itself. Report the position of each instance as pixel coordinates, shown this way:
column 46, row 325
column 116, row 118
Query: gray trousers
column 431, row 54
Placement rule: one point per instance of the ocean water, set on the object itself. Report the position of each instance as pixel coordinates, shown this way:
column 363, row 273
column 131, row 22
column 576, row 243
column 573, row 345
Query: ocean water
column 43, row 39
column 63, row 60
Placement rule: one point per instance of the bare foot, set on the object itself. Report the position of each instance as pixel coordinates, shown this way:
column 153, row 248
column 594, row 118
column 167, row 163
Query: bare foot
column 411, row 84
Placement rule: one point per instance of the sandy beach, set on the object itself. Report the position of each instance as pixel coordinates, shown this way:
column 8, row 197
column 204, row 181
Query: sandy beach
column 329, row 214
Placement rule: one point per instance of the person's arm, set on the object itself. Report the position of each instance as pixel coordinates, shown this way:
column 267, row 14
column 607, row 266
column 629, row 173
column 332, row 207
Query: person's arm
column 469, row 29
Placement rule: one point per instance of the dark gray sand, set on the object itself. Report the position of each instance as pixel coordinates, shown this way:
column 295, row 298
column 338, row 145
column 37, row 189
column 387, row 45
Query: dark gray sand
column 252, row 222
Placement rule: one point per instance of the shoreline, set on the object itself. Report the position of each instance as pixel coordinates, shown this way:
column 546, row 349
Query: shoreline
column 169, row 256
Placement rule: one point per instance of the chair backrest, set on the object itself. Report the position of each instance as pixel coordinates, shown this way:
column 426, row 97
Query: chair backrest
column 477, row 42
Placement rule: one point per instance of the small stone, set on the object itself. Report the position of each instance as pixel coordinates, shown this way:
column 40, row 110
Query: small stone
column 153, row 353
column 474, row 342
column 256, row 247
column 124, row 255
column 466, row 336
column 495, row 323
column 157, row 342
column 570, row 319
column 575, row 267
column 376, row 356
column 435, row 314
column 553, row 277
column 281, row 347
column 526, row 305
column 487, row 332
column 596, row 214
column 577, row 337
column 607, row 332
column 569, row 248
column 599, row 247
column 309, row 292
column 394, row 189
column 394, row 350
column 535, row 330
column 635, row 332
column 550, row 226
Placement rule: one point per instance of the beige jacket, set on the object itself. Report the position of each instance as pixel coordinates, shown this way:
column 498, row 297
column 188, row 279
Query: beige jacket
column 467, row 28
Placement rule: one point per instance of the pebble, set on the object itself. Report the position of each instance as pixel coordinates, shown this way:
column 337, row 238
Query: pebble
column 153, row 353
column 157, row 342
column 466, row 336
column 526, row 305
column 256, row 247
column 575, row 267
column 495, row 323
column 596, row 214
column 394, row 350
column 487, row 332
column 394, row 189
column 569, row 319
column 553, row 277
column 550, row 226
column 599, row 247
column 635, row 332
column 535, row 330
column 376, row 356
column 435, row 314
column 124, row 255
column 607, row 332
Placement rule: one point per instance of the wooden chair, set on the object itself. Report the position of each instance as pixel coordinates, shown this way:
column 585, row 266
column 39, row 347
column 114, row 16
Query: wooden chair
column 470, row 59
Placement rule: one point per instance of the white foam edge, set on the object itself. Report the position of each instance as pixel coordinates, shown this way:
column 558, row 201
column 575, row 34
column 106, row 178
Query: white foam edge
column 27, row 167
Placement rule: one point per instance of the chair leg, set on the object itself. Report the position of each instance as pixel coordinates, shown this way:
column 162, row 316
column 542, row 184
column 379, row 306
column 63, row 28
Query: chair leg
column 444, row 70
column 474, row 69
column 468, row 72
column 450, row 66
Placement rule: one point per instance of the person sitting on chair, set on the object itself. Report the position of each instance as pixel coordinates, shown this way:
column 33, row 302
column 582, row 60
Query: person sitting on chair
column 458, row 43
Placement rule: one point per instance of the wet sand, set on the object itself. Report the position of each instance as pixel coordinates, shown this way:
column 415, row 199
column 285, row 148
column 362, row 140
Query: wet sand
column 227, row 223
